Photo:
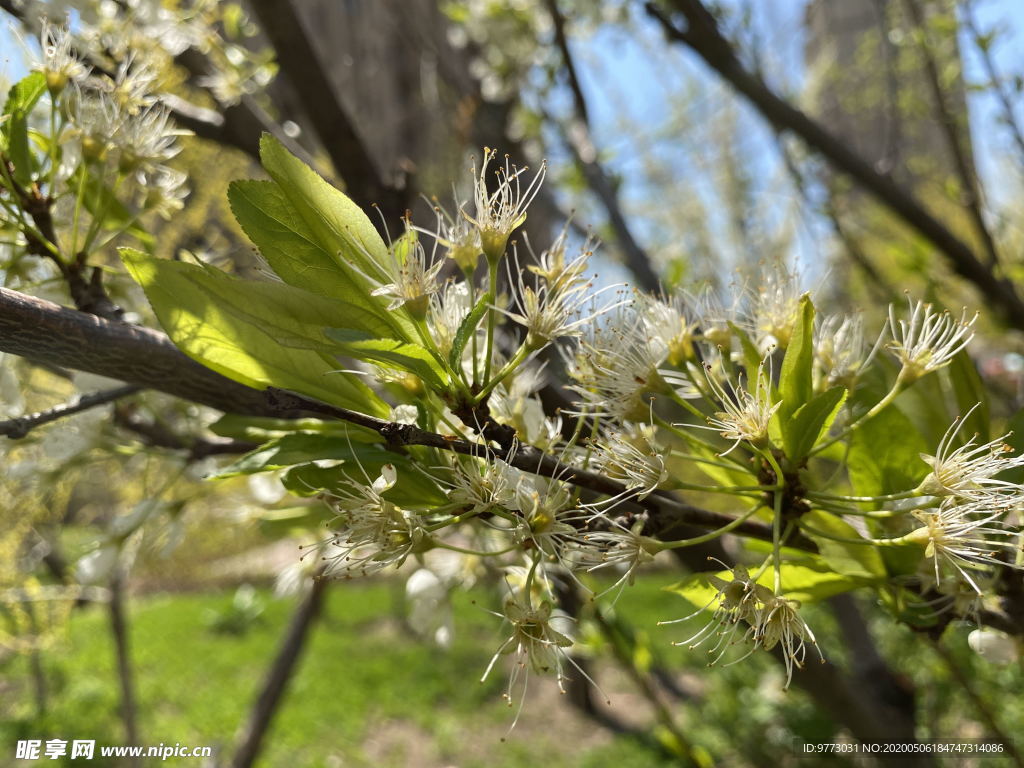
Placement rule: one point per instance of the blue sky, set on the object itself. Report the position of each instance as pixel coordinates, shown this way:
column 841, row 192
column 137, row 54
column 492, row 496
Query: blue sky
column 627, row 75
column 633, row 81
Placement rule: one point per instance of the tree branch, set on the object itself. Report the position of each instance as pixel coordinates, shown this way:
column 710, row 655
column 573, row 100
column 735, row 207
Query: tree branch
column 50, row 334
column 970, row 192
column 19, row 427
column 299, row 62
column 704, row 38
column 579, row 137
column 667, row 513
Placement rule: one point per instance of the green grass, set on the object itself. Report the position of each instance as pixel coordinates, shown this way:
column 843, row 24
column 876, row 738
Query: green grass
column 367, row 693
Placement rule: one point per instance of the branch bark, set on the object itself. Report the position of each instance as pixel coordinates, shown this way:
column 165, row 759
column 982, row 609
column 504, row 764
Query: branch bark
column 703, row 37
column 278, row 675
column 19, row 427
column 299, row 62
column 50, row 334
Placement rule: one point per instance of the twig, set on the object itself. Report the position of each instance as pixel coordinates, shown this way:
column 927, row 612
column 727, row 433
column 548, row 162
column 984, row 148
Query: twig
column 983, row 707
column 970, row 192
column 1009, row 114
column 666, row 512
column 704, row 38
column 278, row 675
column 157, row 435
column 122, row 647
column 19, row 427
column 579, row 138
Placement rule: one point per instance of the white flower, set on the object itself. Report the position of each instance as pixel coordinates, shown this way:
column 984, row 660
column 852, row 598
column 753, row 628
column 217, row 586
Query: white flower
column 840, row 349
column 963, row 538
column 737, row 602
column 618, row 361
column 534, row 644
column 929, row 340
column 633, row 458
column 373, row 533
column 971, row 471
column 405, row 414
column 774, row 306
column 430, row 610
column 618, row 547
column 747, row 413
column 97, row 566
column 448, row 308
column 413, row 275
column 95, row 117
column 459, row 236
column 164, row 190
column 671, row 323
column 59, row 63
column 500, row 212
column 146, row 139
column 769, row 620
column 994, row 646
column 563, row 300
column 132, row 87
column 779, row 623
column 484, row 485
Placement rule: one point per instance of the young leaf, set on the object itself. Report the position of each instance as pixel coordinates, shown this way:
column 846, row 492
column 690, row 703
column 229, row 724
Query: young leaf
column 466, row 330
column 391, row 353
column 970, row 392
column 858, row 560
column 213, row 319
column 885, row 454
column 288, row 244
column 338, row 224
column 810, row 422
column 21, row 99
column 808, row 580
column 795, row 380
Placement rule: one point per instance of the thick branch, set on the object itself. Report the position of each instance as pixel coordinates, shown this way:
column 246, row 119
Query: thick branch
column 970, row 193
column 580, row 140
column 297, row 56
column 704, row 38
column 22, row 425
column 50, row 334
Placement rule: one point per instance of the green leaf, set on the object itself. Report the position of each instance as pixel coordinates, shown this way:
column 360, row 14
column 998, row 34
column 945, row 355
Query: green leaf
column 795, row 380
column 885, row 454
column 338, row 225
column 262, row 429
column 259, row 334
column 466, row 330
column 21, row 99
column 808, row 580
column 413, row 488
column 282, row 523
column 857, row 560
column 391, row 353
column 1016, row 441
column 288, row 244
column 970, row 392
column 810, row 422
column 299, row 448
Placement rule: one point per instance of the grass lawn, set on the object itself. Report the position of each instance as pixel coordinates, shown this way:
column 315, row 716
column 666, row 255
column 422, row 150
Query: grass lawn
column 367, row 693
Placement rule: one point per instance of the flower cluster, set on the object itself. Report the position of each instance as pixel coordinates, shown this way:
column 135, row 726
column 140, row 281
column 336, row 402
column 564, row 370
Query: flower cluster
column 568, row 481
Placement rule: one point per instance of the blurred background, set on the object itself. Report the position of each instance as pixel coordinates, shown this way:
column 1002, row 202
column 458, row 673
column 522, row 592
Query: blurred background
column 143, row 602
